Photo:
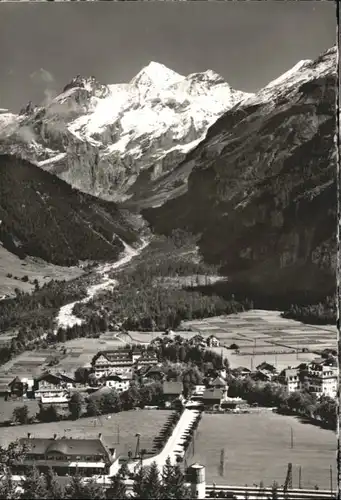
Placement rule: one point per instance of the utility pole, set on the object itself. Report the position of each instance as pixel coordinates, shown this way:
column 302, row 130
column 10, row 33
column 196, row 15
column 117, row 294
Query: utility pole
column 291, row 438
column 300, row 477
column 118, row 434
column 331, row 479
column 137, row 435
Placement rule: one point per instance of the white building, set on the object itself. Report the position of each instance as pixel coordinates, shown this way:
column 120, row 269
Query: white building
column 322, row 379
column 120, row 383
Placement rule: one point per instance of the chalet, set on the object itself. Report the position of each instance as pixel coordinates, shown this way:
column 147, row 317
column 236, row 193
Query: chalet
column 266, row 367
column 152, row 373
column 17, row 388
column 260, row 375
column 212, row 341
column 50, row 386
column 66, row 456
column 146, row 359
column 172, row 391
column 241, row 372
column 120, row 383
column 105, row 363
column 212, row 398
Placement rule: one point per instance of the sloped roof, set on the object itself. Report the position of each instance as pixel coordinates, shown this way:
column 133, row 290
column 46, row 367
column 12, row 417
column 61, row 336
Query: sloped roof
column 218, row 381
column 16, row 380
column 73, row 447
column 119, row 376
column 117, row 355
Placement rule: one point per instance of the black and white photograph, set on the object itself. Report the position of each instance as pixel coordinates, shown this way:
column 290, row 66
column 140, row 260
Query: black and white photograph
column 168, row 250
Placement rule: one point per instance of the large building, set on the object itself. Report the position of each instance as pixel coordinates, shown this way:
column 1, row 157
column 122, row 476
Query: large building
column 319, row 377
column 322, row 379
column 67, row 456
column 106, row 363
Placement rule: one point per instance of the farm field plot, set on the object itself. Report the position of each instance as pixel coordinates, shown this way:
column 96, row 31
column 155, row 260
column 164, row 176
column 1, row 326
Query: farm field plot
column 257, row 447
column 262, row 332
column 79, row 353
column 118, row 429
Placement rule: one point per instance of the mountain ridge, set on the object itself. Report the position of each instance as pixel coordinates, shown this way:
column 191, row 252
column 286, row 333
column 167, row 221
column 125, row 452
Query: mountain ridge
column 105, row 139
column 262, row 187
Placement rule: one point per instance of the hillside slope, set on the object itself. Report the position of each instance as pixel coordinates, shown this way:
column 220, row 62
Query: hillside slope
column 262, row 192
column 43, row 216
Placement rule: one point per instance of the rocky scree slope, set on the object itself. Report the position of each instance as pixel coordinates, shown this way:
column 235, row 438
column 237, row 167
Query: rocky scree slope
column 43, row 216
column 121, row 142
column 262, row 188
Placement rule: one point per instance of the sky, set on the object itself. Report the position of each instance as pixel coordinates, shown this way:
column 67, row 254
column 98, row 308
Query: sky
column 44, row 45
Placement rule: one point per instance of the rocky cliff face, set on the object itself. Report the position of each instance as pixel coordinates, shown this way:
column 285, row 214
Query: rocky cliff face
column 262, row 191
column 121, row 142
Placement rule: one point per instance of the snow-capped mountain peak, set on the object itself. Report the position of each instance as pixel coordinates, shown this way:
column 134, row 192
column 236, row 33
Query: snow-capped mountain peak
column 288, row 75
column 157, row 75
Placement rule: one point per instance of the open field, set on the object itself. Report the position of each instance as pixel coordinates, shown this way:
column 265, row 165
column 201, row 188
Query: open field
column 118, row 429
column 257, row 447
column 33, row 268
column 265, row 336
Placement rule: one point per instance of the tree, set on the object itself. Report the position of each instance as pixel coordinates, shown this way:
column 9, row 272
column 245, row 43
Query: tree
column 93, row 408
column 76, row 405
column 82, row 375
column 49, row 414
column 93, row 491
column 34, row 485
column 8, row 489
column 117, row 489
column 139, row 484
column 77, row 489
column 173, row 482
column 54, row 489
column 20, row 414
column 153, row 486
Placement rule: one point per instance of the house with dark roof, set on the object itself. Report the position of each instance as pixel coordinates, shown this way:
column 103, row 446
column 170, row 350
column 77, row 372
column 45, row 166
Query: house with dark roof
column 17, row 388
column 51, row 385
column 67, row 455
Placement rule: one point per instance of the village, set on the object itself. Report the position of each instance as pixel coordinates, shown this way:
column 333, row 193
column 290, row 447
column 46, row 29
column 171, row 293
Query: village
column 184, row 378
